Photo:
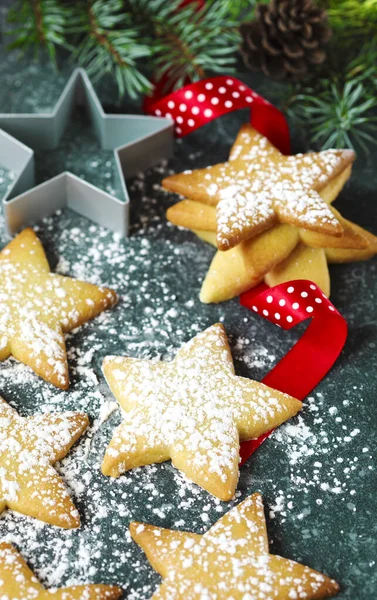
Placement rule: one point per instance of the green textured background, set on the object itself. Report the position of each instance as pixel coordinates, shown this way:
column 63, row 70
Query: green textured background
column 317, row 473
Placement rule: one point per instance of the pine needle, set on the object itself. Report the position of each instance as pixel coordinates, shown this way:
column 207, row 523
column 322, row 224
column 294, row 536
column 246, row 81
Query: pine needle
column 38, row 24
column 188, row 43
column 110, row 45
column 339, row 118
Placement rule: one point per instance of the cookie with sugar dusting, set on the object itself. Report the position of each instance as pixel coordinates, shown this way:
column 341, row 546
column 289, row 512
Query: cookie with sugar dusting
column 37, row 307
column 281, row 254
column 29, row 447
column 193, row 410
column 237, row 270
column 231, row 560
column 259, row 187
column 17, row 582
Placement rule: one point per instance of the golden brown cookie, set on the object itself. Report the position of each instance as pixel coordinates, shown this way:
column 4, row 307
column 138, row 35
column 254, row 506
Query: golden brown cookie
column 17, row 582
column 28, row 448
column 233, row 272
column 202, row 218
column 37, row 307
column 268, row 255
column 245, row 147
column 193, row 410
column 227, row 276
column 193, row 215
column 259, row 187
column 231, row 560
column 344, row 255
column 302, row 263
column 353, row 237
column 240, row 268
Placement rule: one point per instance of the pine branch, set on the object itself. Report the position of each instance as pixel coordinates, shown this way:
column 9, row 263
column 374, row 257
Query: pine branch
column 352, row 17
column 189, row 42
column 115, row 37
column 186, row 43
column 338, row 117
column 363, row 67
column 338, row 106
column 243, row 10
column 38, row 23
column 110, row 45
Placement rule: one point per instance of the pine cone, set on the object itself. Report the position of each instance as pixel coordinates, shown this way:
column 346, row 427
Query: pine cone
column 286, row 39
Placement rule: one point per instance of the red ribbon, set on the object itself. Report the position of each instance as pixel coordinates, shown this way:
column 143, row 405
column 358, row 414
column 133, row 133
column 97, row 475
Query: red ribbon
column 198, row 103
column 286, row 304
column 308, row 361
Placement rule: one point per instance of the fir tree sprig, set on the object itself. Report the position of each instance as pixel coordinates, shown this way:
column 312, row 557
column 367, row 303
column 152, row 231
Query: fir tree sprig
column 136, row 40
column 338, row 104
column 110, row 45
column 352, row 17
column 338, row 118
column 139, row 42
column 188, row 42
column 38, row 24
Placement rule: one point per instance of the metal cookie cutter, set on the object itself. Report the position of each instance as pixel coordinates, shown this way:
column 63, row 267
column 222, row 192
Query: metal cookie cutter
column 138, row 142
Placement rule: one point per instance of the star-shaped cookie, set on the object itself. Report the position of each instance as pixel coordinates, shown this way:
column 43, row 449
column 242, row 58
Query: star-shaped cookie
column 17, row 582
column 28, row 448
column 259, row 187
column 280, row 254
column 231, row 560
column 37, row 307
column 193, row 410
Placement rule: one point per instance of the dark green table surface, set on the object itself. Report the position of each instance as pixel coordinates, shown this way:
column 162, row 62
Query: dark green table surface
column 317, row 473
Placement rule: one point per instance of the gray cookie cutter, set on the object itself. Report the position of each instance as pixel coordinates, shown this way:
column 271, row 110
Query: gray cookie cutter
column 138, row 142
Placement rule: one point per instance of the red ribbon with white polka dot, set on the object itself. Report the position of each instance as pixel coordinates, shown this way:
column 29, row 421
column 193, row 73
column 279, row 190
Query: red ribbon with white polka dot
column 308, row 361
column 196, row 104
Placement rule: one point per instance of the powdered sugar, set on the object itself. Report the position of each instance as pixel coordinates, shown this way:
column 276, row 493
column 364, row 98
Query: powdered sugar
column 157, row 269
column 259, row 186
column 28, row 448
column 230, row 560
column 192, row 410
column 37, row 306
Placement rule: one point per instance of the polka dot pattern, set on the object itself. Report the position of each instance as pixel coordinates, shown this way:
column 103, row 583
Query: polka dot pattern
column 289, row 303
column 214, row 97
column 308, row 361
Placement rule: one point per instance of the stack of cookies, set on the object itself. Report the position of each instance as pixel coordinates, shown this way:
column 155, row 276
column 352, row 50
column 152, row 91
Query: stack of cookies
column 270, row 216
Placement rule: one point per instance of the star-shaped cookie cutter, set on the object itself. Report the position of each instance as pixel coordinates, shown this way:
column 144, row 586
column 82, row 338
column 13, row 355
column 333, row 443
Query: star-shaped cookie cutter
column 138, row 142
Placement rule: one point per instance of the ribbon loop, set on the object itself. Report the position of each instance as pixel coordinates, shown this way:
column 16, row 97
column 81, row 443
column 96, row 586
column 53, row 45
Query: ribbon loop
column 196, row 104
column 286, row 304
column 308, row 361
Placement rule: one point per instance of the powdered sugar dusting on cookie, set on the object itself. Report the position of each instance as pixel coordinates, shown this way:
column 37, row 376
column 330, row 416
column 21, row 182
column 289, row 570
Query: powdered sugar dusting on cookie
column 37, row 306
column 28, row 449
column 157, row 274
column 239, row 211
column 17, row 582
column 258, row 183
column 231, row 560
column 192, row 410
